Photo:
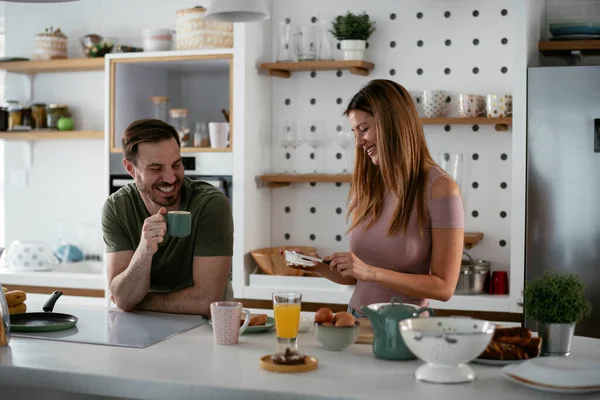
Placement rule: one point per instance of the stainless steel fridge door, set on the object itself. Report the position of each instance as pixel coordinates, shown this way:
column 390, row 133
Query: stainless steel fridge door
column 563, row 182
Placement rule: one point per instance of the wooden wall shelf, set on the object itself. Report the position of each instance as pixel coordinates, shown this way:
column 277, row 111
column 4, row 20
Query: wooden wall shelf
column 285, row 69
column 501, row 124
column 280, row 180
column 187, row 150
column 472, row 238
column 65, row 65
column 566, row 47
column 51, row 135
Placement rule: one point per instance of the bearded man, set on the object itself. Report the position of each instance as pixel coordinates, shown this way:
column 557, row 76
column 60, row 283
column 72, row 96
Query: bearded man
column 147, row 269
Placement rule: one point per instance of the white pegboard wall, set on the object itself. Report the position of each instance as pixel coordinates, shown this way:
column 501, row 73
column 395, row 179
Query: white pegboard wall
column 456, row 46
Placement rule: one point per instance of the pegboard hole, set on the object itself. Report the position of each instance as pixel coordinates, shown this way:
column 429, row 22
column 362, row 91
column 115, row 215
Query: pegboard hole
column 339, row 100
column 475, row 41
column 313, row 128
column 502, row 243
column 288, row 209
column 475, row 13
column 313, row 101
column 312, row 236
column 287, row 21
column 448, row 42
column 504, row 41
column 338, row 210
column 447, row 128
column 420, row 71
column 313, row 184
column 338, row 156
column 339, row 74
column 419, row 15
column 420, row 43
column 338, row 238
column 287, row 236
column 313, row 210
column 392, row 44
column 313, row 19
column 312, row 156
column 287, row 102
column 504, row 70
column 475, row 70
column 475, row 213
column 313, row 74
column 447, row 14
column 502, row 214
column 475, row 156
column 392, row 72
column 392, row 16
column 338, row 184
column 288, row 156
column 475, row 128
column 504, row 13
column 338, row 128
column 475, row 185
column 503, row 185
column 503, row 156
column 447, row 71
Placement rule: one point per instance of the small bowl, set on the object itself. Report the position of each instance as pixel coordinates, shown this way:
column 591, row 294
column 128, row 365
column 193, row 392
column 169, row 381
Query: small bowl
column 446, row 345
column 305, row 323
column 337, row 338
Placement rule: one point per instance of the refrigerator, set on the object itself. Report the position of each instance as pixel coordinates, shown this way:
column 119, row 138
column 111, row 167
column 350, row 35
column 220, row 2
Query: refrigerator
column 563, row 179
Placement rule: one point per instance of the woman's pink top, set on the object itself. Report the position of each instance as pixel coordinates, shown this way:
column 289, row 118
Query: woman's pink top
column 408, row 253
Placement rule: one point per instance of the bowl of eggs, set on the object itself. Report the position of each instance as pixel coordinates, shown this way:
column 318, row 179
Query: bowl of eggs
column 336, row 331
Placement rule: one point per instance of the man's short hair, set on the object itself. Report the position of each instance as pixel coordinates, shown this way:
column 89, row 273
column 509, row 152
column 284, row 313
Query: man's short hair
column 146, row 131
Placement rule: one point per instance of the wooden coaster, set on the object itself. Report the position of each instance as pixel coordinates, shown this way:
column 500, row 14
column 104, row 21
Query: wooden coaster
column 267, row 364
column 365, row 333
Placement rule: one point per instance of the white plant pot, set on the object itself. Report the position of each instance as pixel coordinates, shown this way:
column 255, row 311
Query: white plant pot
column 353, row 49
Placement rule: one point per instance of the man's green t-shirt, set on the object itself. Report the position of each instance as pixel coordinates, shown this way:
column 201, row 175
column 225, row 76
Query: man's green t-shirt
column 123, row 217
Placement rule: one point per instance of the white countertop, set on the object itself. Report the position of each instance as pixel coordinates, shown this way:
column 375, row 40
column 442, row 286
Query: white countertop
column 82, row 275
column 189, row 365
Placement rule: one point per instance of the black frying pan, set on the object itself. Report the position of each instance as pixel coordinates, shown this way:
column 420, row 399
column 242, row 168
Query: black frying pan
column 46, row 321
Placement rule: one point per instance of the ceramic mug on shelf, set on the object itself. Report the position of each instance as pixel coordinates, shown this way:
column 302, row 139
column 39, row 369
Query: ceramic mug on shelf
column 471, row 105
column 498, row 106
column 434, row 103
column 219, row 134
column 225, row 320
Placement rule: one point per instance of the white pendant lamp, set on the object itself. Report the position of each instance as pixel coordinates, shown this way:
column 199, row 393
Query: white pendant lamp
column 237, row 10
column 39, row 1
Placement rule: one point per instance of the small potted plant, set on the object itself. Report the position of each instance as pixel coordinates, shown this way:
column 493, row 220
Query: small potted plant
column 557, row 302
column 353, row 30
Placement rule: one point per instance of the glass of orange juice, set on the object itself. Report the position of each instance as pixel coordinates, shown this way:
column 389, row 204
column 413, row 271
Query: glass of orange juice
column 286, row 308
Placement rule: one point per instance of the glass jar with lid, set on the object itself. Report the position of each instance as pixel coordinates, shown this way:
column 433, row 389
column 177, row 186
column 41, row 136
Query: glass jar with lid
column 14, row 115
column 160, row 107
column 38, row 115
column 4, row 321
column 56, row 112
column 180, row 121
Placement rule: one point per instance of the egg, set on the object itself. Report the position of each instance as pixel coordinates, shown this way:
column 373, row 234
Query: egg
column 345, row 320
column 324, row 315
column 326, row 324
column 339, row 315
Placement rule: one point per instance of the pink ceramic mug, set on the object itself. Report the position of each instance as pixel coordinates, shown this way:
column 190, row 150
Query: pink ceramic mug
column 225, row 316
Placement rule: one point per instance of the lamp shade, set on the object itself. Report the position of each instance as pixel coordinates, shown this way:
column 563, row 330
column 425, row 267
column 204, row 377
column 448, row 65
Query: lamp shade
column 237, row 10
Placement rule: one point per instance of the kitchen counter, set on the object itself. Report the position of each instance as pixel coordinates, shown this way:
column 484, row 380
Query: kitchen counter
column 81, row 275
column 189, row 365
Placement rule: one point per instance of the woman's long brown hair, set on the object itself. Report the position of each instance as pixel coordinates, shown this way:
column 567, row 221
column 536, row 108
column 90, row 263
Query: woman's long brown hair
column 404, row 158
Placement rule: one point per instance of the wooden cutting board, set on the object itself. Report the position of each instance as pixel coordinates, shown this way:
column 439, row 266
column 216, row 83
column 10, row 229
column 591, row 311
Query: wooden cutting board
column 365, row 334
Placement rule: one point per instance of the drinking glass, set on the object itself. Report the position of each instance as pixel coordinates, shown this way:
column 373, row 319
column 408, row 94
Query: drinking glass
column 452, row 164
column 284, row 52
column 306, row 42
column 345, row 139
column 286, row 308
column 325, row 39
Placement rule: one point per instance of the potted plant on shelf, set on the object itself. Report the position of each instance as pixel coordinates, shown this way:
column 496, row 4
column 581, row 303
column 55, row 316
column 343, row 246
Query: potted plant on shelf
column 557, row 302
column 353, row 30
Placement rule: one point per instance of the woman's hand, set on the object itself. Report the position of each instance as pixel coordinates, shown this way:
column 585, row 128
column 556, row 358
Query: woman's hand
column 347, row 264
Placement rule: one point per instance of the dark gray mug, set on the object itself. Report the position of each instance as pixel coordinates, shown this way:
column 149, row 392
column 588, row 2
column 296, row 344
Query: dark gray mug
column 179, row 223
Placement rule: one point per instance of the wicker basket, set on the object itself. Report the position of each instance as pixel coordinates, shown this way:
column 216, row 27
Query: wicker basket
column 195, row 32
column 50, row 45
column 272, row 263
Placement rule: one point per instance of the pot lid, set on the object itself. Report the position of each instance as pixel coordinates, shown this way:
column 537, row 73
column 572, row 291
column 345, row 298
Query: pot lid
column 396, row 310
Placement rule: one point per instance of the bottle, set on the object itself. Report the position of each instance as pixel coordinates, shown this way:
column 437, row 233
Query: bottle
column 160, row 107
column 4, row 321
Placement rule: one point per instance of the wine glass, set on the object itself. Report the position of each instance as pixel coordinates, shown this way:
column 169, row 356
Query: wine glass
column 345, row 139
column 289, row 138
column 313, row 136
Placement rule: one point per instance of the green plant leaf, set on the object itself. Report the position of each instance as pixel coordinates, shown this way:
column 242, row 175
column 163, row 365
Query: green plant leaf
column 352, row 26
column 556, row 298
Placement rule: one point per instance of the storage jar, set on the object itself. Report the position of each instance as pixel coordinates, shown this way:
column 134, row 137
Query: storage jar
column 180, row 121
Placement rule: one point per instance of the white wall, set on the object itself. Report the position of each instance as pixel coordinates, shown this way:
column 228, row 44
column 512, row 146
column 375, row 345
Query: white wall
column 66, row 180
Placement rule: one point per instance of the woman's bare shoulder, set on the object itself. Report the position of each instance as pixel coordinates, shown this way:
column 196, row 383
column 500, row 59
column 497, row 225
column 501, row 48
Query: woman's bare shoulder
column 444, row 186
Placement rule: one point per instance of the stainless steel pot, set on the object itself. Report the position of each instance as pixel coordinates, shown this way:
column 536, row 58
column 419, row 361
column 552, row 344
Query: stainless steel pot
column 474, row 277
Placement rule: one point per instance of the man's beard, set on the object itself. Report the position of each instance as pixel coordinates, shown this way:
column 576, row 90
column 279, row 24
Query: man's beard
column 163, row 201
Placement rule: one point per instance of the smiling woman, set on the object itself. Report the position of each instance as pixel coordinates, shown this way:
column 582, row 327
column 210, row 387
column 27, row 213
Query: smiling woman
column 406, row 213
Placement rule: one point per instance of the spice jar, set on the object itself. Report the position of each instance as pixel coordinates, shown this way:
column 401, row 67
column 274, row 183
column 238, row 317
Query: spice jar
column 160, row 107
column 4, row 321
column 4, row 118
column 26, row 120
column 38, row 115
column 201, row 136
column 14, row 116
column 56, row 112
column 179, row 120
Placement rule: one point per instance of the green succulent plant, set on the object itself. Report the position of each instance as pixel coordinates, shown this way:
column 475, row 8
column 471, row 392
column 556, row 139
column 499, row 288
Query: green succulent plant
column 556, row 298
column 352, row 26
